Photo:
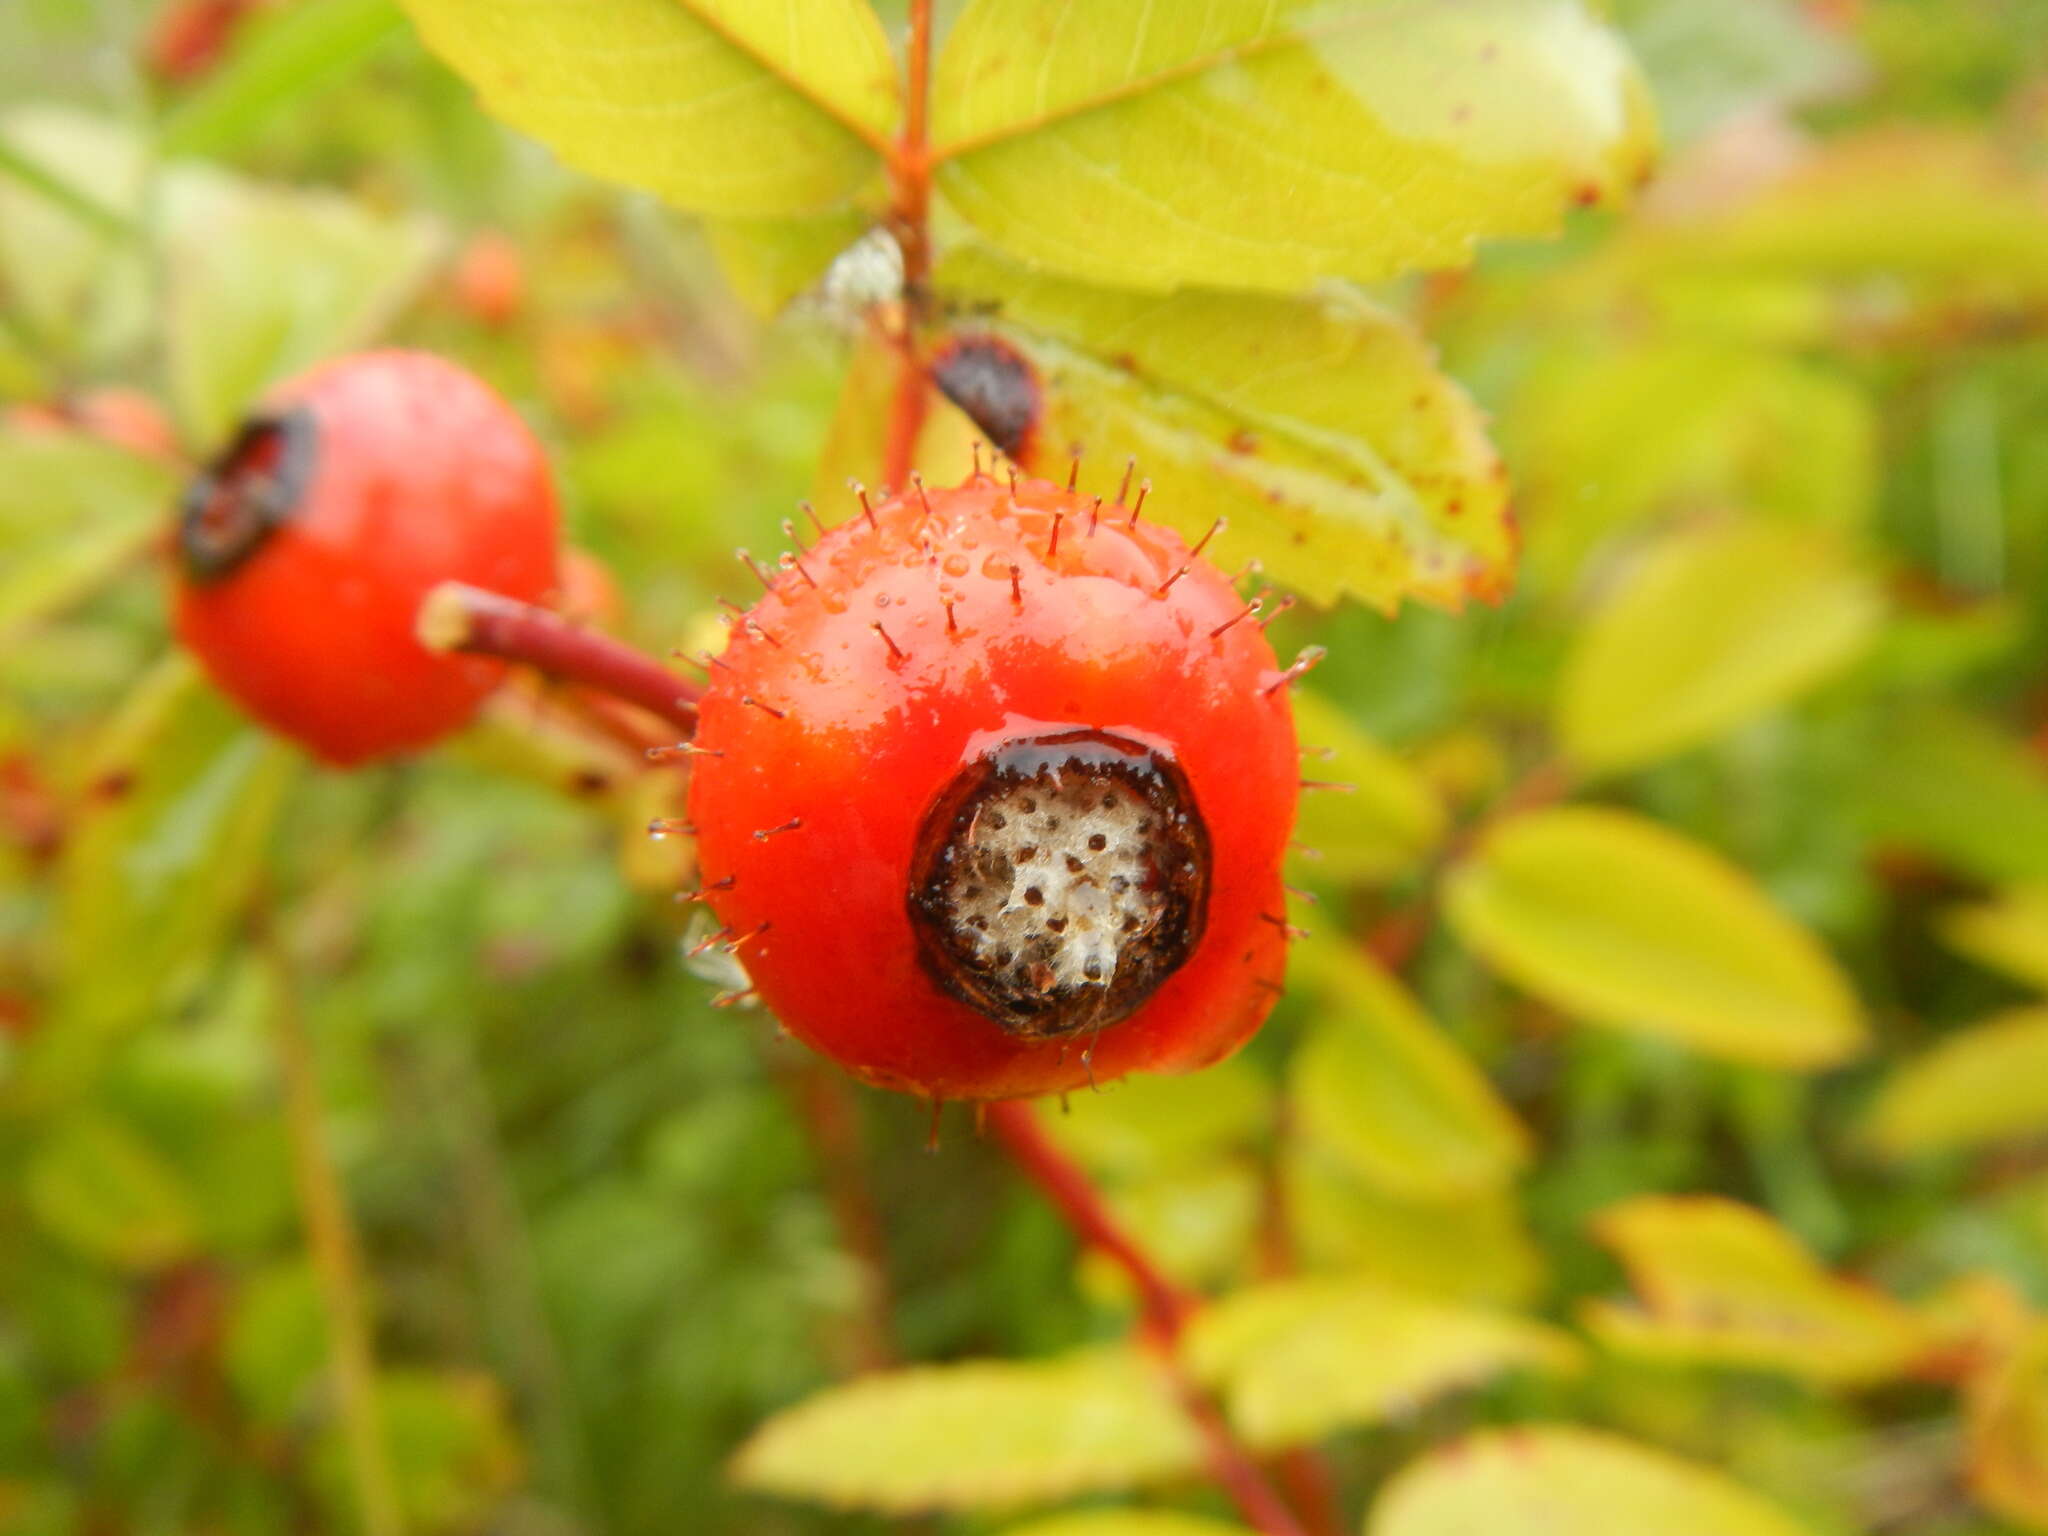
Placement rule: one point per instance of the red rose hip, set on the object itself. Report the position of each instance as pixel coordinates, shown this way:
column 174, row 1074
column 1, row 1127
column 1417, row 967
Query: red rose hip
column 303, row 550
column 992, row 789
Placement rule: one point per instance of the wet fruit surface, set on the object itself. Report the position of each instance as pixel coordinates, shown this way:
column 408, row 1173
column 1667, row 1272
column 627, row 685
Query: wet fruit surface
column 303, row 551
column 992, row 789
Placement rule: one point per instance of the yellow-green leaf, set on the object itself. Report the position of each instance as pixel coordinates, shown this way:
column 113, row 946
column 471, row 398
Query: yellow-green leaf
column 1476, row 1248
column 1322, row 429
column 1386, row 1092
column 260, row 282
column 96, row 1186
column 770, row 261
column 1724, row 1284
column 67, row 261
column 165, row 843
column 1297, row 1359
column 720, row 106
column 1254, row 144
column 977, row 1436
column 1126, row 1522
column 1713, row 625
column 2008, row 932
column 1143, row 1126
column 1609, row 434
column 1386, row 818
column 1953, row 784
column 1561, row 1480
column 1622, row 922
column 73, row 511
column 1982, row 1084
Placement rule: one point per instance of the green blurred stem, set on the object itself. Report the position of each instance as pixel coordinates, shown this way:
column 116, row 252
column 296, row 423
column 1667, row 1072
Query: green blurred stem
column 337, row 1263
column 1165, row 1306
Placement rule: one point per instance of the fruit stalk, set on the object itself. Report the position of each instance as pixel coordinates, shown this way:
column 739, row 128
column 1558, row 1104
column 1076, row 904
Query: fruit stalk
column 910, row 175
column 455, row 617
column 1164, row 1306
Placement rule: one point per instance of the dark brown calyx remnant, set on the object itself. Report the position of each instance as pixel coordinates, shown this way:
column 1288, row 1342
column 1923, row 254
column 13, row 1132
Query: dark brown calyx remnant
column 993, row 384
column 1058, row 880
column 247, row 493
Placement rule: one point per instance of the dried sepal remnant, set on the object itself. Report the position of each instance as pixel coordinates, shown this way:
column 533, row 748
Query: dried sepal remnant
column 1060, row 880
column 994, row 386
column 246, row 493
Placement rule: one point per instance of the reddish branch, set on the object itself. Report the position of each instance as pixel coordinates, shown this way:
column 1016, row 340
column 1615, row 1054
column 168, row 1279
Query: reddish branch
column 455, row 617
column 1165, row 1306
column 910, row 178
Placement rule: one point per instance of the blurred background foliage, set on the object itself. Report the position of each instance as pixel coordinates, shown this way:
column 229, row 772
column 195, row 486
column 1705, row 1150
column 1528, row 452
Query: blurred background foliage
column 1780, row 473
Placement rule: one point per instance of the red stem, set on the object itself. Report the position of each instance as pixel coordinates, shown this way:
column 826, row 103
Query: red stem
column 455, row 617
column 910, row 174
column 1165, row 1306
column 831, row 1120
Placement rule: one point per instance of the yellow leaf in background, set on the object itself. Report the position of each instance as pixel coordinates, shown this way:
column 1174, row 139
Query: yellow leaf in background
column 1253, row 144
column 1143, row 1126
column 1605, row 435
column 1930, row 205
column 1723, row 1284
column 1616, row 919
column 2007, row 1418
column 104, row 1192
column 1126, row 1522
column 770, row 261
column 1297, row 1359
column 1384, row 823
column 1985, row 1083
column 2008, row 933
column 1321, row 428
column 1559, row 1480
column 1712, row 626
column 1474, row 1248
column 1386, row 1091
column 719, row 106
column 981, row 1435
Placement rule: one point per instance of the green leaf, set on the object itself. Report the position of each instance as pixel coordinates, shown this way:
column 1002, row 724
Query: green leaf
column 2008, row 933
column 165, row 845
column 1264, row 145
column 1141, row 1127
column 1297, row 1359
column 1723, row 1284
column 1712, row 626
column 1386, row 1092
column 980, row 1435
column 1548, row 1479
column 1955, row 786
column 1126, row 1522
column 96, row 1186
column 1620, row 921
column 1982, row 1084
column 769, row 262
column 73, row 511
column 1707, row 65
column 261, row 283
column 285, row 60
column 70, row 270
column 450, row 1444
column 721, row 106
column 1387, row 820
column 1608, row 435
column 1475, row 1248
column 1322, row 429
